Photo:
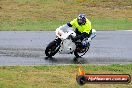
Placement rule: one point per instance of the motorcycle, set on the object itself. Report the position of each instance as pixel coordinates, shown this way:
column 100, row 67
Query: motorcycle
column 64, row 43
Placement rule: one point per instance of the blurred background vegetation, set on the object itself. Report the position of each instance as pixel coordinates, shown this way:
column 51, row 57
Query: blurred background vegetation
column 39, row 15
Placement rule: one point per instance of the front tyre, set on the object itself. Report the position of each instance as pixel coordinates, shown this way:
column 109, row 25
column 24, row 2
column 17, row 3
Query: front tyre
column 52, row 49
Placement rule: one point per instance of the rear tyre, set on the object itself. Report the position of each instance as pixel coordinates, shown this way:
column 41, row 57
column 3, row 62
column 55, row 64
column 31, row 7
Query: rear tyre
column 80, row 51
column 52, row 49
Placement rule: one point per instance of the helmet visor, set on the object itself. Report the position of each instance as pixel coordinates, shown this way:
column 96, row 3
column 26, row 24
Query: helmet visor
column 80, row 21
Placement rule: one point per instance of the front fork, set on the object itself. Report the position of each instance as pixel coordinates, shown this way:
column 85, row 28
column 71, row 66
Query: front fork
column 58, row 41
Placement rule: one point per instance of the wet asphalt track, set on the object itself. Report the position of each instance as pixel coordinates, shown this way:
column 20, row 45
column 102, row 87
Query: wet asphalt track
column 27, row 48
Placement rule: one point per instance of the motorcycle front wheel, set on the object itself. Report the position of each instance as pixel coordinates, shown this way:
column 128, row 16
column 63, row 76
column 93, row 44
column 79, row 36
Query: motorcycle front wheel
column 52, row 49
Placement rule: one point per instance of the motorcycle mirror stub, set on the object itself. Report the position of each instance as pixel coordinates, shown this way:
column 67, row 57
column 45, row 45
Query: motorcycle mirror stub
column 93, row 31
column 93, row 35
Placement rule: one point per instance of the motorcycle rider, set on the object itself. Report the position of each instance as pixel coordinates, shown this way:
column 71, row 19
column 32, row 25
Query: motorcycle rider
column 82, row 27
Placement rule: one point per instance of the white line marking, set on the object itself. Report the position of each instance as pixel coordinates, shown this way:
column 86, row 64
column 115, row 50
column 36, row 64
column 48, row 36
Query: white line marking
column 127, row 30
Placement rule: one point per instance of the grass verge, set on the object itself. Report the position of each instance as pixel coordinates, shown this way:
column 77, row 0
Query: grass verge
column 57, row 76
column 98, row 24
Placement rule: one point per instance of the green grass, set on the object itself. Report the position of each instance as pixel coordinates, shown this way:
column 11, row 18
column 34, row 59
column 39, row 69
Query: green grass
column 57, row 76
column 111, row 24
column 39, row 15
column 30, row 25
column 99, row 24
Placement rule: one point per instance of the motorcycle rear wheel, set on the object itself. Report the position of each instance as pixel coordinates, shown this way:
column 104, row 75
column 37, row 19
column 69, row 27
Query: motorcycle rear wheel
column 52, row 49
column 79, row 53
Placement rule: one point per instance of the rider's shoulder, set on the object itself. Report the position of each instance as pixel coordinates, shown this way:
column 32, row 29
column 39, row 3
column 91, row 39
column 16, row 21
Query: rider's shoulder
column 88, row 21
column 74, row 21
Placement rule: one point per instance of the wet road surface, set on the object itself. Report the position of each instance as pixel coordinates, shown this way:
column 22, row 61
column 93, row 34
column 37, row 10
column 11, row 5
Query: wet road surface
column 27, row 48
